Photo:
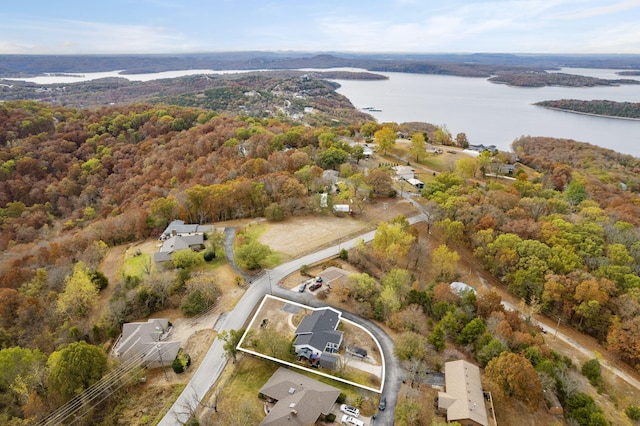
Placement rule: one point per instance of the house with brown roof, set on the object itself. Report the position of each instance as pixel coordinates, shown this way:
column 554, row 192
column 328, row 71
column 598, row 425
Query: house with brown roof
column 333, row 275
column 463, row 398
column 299, row 400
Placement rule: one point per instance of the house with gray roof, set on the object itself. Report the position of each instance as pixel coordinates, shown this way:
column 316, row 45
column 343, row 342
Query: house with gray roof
column 317, row 337
column 176, row 243
column 299, row 400
column 147, row 342
column 179, row 228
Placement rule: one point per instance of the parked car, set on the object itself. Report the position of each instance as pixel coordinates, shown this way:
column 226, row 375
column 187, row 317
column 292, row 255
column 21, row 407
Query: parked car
column 303, row 286
column 383, row 403
column 356, row 351
column 318, row 279
column 350, row 410
column 315, row 286
column 351, row 421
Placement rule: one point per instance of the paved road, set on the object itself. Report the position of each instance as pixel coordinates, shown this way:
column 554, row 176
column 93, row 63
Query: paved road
column 215, row 361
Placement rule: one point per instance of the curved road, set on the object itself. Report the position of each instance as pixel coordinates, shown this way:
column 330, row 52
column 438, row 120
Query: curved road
column 215, row 361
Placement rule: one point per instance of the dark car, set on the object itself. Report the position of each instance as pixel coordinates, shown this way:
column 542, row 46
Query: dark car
column 315, row 286
column 383, row 404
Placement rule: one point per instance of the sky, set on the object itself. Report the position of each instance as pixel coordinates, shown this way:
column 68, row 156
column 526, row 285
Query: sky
column 373, row 26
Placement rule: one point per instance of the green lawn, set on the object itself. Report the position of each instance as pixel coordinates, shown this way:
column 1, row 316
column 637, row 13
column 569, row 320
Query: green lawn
column 137, row 265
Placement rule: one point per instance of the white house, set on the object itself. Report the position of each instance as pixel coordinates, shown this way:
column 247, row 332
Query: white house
column 405, row 172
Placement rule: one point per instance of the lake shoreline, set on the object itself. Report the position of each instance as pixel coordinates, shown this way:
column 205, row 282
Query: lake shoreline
column 588, row 113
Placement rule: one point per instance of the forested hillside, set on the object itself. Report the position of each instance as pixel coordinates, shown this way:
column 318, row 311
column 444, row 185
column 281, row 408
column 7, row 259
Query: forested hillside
column 563, row 236
column 597, row 107
column 73, row 182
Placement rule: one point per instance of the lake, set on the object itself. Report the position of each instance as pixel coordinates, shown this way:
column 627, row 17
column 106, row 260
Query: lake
column 488, row 113
column 497, row 114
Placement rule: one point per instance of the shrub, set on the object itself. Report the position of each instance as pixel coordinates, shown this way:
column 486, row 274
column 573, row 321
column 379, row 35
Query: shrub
column 341, row 398
column 591, row 370
column 99, row 280
column 344, row 254
column 195, row 303
column 274, row 212
column 209, row 255
column 181, row 362
column 633, row 412
column 330, row 418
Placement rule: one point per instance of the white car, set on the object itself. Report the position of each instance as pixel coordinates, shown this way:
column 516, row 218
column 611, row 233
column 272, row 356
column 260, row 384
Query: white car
column 350, row 410
column 351, row 421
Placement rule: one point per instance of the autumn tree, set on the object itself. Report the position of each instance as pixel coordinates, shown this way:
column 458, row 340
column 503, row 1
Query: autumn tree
column 380, row 182
column 445, row 261
column 74, row 368
column 392, row 241
column 231, row 339
column 516, row 377
column 252, row 255
column 385, row 138
column 418, row 146
column 462, row 141
column 410, row 346
column 79, row 293
column 442, row 136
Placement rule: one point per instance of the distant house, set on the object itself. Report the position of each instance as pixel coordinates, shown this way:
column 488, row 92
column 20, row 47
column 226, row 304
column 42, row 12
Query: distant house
column 330, row 177
column 463, row 399
column 147, row 342
column 341, row 208
column 299, row 400
column 405, row 172
column 317, row 337
column 481, row 148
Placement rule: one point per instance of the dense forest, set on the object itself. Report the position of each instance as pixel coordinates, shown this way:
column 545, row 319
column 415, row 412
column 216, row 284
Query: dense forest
column 526, row 78
column 596, row 107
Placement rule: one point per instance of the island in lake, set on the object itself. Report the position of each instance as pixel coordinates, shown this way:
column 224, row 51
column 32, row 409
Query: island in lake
column 628, row 110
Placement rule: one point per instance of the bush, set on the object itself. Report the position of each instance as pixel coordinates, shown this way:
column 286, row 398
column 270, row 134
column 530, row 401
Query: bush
column 591, row 370
column 633, row 412
column 330, row 418
column 195, row 303
column 99, row 280
column 181, row 363
column 341, row 398
column 274, row 212
column 344, row 254
column 209, row 255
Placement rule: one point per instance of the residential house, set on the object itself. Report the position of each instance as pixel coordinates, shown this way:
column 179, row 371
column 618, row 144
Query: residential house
column 317, row 337
column 179, row 228
column 179, row 242
column 179, row 236
column 299, row 400
column 405, row 172
column 333, row 275
column 463, row 399
column 147, row 342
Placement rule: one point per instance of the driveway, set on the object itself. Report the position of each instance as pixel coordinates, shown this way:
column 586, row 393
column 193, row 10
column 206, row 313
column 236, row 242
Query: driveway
column 215, row 360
